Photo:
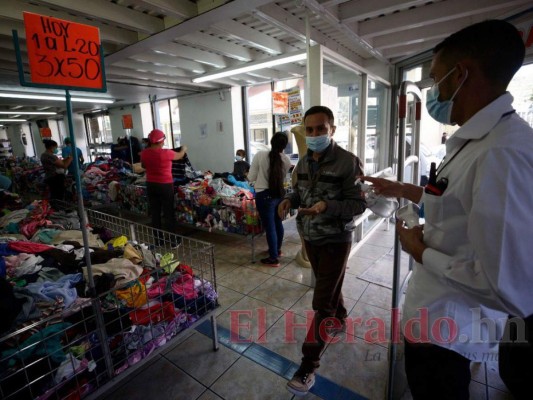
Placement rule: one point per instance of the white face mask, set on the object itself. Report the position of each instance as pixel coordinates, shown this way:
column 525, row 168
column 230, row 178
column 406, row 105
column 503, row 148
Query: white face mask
column 238, row 158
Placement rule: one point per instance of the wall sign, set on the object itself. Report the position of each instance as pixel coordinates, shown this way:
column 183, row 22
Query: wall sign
column 127, row 121
column 62, row 52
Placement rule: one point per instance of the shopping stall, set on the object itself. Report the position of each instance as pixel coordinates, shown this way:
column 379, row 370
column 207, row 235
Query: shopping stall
column 206, row 204
column 61, row 337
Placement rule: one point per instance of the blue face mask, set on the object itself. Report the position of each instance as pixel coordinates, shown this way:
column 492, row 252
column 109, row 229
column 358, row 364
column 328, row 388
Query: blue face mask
column 238, row 158
column 56, row 150
column 318, row 143
column 441, row 111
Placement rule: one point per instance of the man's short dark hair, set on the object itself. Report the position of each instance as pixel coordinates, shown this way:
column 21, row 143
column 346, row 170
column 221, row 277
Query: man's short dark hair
column 495, row 45
column 66, row 141
column 321, row 110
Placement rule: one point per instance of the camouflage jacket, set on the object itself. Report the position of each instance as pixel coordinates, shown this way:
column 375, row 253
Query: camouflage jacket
column 334, row 183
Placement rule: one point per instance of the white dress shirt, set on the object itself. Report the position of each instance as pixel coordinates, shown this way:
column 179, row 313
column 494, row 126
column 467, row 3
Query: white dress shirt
column 477, row 232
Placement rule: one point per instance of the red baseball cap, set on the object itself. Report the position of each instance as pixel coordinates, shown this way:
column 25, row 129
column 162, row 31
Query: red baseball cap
column 156, row 136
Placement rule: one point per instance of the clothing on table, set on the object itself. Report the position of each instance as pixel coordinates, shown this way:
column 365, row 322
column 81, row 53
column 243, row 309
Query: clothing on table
column 182, row 170
column 327, row 236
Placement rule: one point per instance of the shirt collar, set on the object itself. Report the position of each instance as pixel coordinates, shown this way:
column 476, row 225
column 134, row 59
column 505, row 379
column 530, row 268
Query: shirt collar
column 481, row 123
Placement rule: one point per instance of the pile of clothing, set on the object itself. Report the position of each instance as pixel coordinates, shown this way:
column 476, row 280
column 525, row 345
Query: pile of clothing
column 100, row 175
column 49, row 343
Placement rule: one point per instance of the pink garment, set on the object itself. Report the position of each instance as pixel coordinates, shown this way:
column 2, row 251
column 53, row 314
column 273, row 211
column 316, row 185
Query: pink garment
column 28, row 247
column 184, row 286
column 157, row 288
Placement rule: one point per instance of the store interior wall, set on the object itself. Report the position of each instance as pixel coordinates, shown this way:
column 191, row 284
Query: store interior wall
column 14, row 134
column 208, row 129
column 115, row 119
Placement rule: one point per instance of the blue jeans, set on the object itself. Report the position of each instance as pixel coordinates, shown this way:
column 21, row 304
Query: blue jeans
column 267, row 207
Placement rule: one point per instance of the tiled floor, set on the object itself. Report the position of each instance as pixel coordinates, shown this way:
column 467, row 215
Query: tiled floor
column 271, row 304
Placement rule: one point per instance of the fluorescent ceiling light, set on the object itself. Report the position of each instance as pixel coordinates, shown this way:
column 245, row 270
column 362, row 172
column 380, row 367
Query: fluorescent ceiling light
column 58, row 98
column 13, row 120
column 252, row 67
column 22, row 112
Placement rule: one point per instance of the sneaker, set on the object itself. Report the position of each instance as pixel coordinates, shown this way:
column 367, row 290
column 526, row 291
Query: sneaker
column 271, row 262
column 280, row 253
column 301, row 383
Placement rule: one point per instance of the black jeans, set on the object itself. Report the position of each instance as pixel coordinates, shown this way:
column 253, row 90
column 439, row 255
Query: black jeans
column 515, row 357
column 434, row 372
column 56, row 185
column 329, row 266
column 161, row 198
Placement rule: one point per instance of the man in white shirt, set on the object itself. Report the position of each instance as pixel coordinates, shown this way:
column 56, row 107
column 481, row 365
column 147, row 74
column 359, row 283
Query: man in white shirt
column 478, row 217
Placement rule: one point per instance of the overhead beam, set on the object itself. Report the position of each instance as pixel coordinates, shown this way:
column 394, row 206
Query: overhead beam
column 363, row 9
column 148, row 76
column 224, row 47
column 173, row 61
column 203, row 21
column 439, row 30
column 149, row 67
column 431, row 14
column 290, row 23
column 112, row 13
column 140, row 82
column 12, row 9
column 361, row 44
column 410, row 49
column 252, row 37
column 191, row 53
column 177, row 9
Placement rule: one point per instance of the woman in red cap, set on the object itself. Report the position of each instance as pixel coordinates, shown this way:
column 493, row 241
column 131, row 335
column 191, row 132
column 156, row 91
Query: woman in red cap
column 159, row 183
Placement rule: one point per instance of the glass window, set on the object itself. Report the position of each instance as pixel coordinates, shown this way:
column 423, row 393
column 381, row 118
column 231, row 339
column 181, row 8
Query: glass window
column 521, row 87
column 163, row 109
column 146, row 118
column 376, row 125
column 175, row 115
column 341, row 92
column 259, row 117
column 99, row 135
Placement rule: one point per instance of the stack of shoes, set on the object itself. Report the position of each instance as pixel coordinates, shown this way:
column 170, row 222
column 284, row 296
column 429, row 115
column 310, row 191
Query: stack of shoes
column 301, row 382
column 270, row 262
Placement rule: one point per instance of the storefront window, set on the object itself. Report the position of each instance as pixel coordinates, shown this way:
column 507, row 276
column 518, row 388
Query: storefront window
column 163, row 109
column 376, row 123
column 259, row 117
column 175, row 115
column 341, row 93
column 99, row 135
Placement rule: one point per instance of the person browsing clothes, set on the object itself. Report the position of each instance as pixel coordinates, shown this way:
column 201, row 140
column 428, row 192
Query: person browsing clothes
column 327, row 199
column 473, row 253
column 67, row 151
column 159, row 183
column 268, row 171
column 54, row 170
column 240, row 166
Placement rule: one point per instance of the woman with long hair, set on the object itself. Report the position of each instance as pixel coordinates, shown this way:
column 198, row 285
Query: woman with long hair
column 268, row 171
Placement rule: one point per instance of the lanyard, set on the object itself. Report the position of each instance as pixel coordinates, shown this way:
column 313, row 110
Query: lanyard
column 443, row 164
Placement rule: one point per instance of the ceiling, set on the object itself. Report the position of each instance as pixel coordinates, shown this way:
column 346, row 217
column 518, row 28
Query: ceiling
column 156, row 47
